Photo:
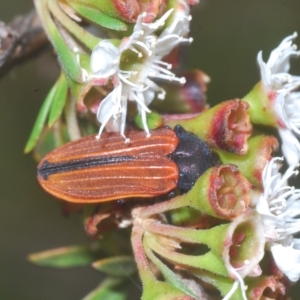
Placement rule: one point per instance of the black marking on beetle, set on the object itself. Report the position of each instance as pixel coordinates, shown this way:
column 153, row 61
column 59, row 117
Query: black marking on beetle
column 48, row 168
column 193, row 157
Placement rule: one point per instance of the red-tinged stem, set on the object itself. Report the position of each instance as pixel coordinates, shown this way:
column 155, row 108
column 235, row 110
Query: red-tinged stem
column 152, row 288
column 139, row 253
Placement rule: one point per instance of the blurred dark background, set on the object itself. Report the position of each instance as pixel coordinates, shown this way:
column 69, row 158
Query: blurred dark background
column 227, row 36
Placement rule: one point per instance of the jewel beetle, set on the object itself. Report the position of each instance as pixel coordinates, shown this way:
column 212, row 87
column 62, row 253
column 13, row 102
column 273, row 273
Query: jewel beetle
column 91, row 170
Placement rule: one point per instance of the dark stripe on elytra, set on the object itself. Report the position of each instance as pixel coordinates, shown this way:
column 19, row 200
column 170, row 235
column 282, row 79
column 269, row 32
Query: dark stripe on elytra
column 48, row 168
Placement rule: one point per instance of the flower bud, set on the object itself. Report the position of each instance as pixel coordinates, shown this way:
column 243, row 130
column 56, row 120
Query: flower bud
column 225, row 126
column 187, row 98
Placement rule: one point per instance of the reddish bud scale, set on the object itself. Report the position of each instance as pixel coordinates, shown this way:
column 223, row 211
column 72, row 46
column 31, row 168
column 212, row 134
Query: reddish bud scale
column 127, row 9
column 194, row 90
column 91, row 171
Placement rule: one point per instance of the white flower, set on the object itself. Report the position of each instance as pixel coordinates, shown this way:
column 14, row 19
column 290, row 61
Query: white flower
column 279, row 207
column 178, row 29
column 287, row 259
column 133, row 81
column 278, row 204
column 275, row 77
column 109, row 63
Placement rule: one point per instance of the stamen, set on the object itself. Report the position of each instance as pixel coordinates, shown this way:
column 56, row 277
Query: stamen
column 144, row 46
column 160, row 62
column 232, row 290
column 161, row 96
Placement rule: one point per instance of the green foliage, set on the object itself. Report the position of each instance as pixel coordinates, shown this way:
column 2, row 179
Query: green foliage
column 65, row 257
column 52, row 107
column 59, row 100
column 172, row 278
column 123, row 266
column 40, row 120
column 99, row 17
column 110, row 289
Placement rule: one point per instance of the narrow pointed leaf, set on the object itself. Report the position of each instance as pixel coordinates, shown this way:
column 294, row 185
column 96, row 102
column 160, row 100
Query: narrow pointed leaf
column 99, row 17
column 109, row 289
column 116, row 266
column 51, row 139
column 40, row 120
column 65, row 55
column 163, row 291
column 64, row 257
column 71, row 28
column 169, row 275
column 59, row 100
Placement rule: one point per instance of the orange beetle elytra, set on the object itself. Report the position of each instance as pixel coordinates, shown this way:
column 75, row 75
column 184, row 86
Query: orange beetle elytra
column 92, row 170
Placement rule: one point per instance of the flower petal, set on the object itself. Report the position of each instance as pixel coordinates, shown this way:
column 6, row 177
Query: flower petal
column 105, row 59
column 287, row 260
column 290, row 146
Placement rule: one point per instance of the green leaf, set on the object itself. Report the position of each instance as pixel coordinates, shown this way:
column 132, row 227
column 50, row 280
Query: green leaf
column 169, row 275
column 109, row 289
column 50, row 139
column 99, row 17
column 40, row 120
column 64, row 257
column 116, row 266
column 80, row 89
column 65, row 55
column 59, row 100
column 71, row 27
column 162, row 291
